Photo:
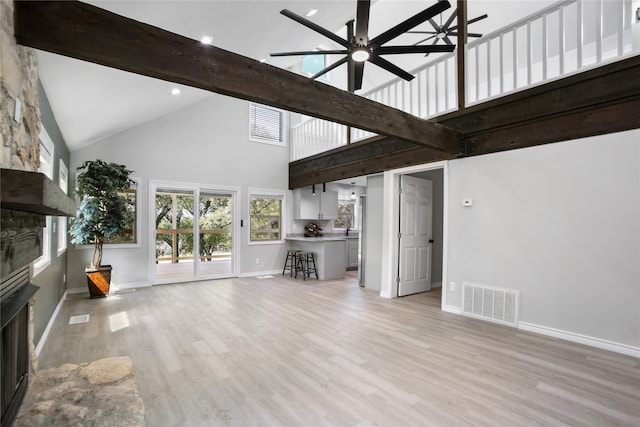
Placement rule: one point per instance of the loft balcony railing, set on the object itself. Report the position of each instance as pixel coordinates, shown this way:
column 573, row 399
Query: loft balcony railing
column 563, row 39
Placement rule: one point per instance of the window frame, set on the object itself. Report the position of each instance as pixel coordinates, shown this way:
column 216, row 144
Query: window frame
column 265, row 193
column 63, row 222
column 283, row 125
column 353, row 215
column 46, row 156
column 137, row 223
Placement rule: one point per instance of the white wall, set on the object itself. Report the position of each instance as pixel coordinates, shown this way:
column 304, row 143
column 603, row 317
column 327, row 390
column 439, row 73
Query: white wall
column 560, row 223
column 206, row 143
column 373, row 229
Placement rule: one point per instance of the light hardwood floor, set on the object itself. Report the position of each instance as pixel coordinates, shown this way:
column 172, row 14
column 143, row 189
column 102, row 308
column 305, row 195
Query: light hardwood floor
column 285, row 352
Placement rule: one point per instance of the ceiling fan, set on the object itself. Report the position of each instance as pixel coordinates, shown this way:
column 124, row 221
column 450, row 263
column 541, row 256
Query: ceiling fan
column 359, row 48
column 443, row 31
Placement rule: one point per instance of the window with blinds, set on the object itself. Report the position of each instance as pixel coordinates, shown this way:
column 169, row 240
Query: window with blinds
column 266, row 124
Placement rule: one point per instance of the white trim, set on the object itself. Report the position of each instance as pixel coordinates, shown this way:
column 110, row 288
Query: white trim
column 52, row 319
column 451, row 309
column 77, row 291
column 436, row 284
column 261, row 273
column 581, row 339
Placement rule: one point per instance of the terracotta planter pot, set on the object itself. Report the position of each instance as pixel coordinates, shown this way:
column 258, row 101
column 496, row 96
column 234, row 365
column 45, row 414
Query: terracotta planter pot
column 99, row 281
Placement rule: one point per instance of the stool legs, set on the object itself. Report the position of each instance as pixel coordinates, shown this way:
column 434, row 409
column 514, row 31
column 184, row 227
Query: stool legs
column 291, row 262
column 306, row 263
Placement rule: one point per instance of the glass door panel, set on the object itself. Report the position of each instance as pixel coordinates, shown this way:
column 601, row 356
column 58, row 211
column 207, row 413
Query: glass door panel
column 174, row 216
column 215, row 241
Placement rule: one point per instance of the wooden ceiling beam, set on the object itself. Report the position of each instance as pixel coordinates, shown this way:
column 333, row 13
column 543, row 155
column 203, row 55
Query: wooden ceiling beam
column 360, row 158
column 600, row 101
column 86, row 32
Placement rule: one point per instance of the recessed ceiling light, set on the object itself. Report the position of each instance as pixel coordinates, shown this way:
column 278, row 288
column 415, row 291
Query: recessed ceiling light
column 175, row 91
column 312, row 12
column 263, row 60
column 206, row 40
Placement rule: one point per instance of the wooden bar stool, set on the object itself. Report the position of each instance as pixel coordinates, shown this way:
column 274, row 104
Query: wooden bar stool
column 307, row 264
column 291, row 262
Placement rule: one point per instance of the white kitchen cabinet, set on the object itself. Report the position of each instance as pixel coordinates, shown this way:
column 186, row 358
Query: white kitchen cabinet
column 352, row 253
column 322, row 205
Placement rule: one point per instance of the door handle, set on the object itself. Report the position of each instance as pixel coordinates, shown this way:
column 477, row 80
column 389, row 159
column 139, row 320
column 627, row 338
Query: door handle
column 430, row 240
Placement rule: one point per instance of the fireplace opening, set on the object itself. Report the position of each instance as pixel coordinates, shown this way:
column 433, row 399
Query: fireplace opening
column 15, row 293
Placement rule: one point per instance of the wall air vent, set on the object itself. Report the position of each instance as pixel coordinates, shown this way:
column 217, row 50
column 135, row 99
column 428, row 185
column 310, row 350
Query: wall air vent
column 492, row 304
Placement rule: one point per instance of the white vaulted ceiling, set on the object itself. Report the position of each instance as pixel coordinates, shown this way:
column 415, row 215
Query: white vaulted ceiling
column 92, row 102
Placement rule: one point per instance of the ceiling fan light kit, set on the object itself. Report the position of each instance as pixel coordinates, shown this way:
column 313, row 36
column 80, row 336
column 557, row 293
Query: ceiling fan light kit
column 358, row 48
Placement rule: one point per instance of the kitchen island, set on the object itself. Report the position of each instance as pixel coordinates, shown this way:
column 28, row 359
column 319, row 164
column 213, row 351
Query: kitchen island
column 330, row 253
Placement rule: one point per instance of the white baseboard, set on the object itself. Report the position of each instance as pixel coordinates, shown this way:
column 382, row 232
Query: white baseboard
column 581, row 339
column 77, row 291
column 436, row 285
column 54, row 315
column 260, row 273
column 451, row 309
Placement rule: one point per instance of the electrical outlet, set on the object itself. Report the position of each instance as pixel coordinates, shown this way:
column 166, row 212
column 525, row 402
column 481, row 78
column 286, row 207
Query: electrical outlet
column 452, row 286
column 257, row 260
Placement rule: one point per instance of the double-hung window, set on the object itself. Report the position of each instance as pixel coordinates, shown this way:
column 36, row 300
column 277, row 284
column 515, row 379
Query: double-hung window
column 265, row 216
column 267, row 124
column 63, row 181
column 46, row 168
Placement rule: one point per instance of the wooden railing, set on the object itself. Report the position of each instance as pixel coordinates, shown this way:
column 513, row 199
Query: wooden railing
column 175, row 257
column 547, row 45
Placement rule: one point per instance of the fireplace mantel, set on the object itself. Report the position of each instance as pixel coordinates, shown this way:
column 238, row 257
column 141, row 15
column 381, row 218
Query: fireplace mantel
column 33, row 192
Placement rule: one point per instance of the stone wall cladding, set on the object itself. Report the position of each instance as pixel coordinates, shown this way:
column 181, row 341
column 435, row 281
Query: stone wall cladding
column 18, row 80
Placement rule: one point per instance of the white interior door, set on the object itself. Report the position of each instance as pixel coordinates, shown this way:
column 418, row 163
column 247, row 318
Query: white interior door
column 416, row 210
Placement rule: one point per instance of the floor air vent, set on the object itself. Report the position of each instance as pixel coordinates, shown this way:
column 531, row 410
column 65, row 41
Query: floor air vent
column 493, row 304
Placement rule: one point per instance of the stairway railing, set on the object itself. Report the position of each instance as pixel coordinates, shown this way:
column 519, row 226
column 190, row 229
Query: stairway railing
column 548, row 45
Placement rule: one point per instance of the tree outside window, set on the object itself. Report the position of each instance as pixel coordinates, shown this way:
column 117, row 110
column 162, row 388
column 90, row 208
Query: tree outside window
column 265, row 213
column 345, row 218
column 128, row 235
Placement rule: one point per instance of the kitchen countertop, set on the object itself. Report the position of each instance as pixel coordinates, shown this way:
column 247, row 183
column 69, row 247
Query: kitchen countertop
column 319, row 239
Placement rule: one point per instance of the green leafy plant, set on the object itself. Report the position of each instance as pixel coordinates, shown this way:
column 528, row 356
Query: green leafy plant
column 102, row 213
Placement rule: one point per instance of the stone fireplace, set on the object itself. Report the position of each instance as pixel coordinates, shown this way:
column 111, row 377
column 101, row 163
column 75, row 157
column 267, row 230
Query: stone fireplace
column 27, row 197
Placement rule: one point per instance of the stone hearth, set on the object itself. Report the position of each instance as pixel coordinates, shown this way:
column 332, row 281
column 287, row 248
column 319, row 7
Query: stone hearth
column 100, row 393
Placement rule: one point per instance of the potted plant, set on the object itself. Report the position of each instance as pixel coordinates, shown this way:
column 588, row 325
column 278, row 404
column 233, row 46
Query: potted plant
column 102, row 214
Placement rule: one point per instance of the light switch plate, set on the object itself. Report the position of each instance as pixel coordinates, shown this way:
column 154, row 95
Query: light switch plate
column 467, row 202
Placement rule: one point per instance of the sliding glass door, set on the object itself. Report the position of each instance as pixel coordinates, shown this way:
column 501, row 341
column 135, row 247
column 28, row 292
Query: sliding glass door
column 193, row 233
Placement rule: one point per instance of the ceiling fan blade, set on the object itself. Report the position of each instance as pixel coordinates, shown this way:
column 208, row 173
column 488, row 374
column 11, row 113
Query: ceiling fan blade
column 362, row 22
column 351, row 84
column 358, row 73
column 410, row 23
column 422, row 32
column 435, row 25
column 311, row 52
column 331, row 67
column 383, row 63
column 315, row 27
column 468, row 34
column 426, row 40
column 471, row 21
column 396, row 50
column 451, row 18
